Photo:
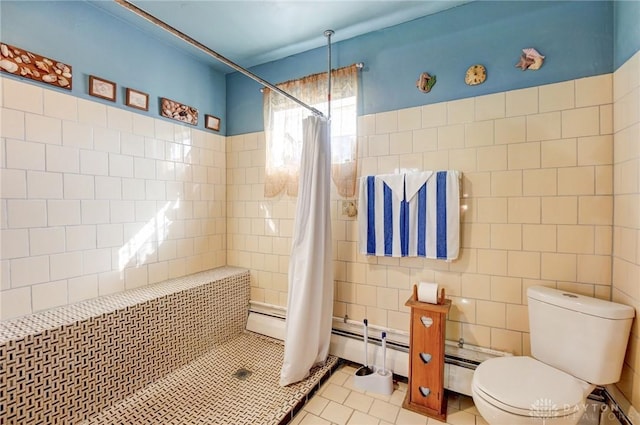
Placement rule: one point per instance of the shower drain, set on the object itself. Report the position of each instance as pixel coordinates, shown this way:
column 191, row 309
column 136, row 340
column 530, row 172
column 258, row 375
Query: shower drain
column 242, row 374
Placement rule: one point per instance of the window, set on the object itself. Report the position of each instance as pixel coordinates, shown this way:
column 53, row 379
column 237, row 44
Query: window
column 283, row 130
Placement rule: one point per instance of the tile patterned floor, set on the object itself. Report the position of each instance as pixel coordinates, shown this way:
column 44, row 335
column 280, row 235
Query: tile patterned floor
column 206, row 392
column 339, row 402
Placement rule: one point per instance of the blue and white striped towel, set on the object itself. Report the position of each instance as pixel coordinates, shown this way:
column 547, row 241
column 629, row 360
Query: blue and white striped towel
column 384, row 197
column 413, row 214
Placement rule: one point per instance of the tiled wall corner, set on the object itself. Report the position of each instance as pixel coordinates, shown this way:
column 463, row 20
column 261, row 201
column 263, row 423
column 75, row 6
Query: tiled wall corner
column 96, row 200
column 626, row 212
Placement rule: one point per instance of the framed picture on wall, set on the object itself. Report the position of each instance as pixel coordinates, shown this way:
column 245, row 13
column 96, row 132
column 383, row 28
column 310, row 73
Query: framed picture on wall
column 178, row 111
column 102, row 88
column 137, row 99
column 212, row 122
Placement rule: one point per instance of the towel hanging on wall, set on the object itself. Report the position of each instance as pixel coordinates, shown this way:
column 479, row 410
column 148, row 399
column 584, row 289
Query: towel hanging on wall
column 413, row 214
column 385, row 193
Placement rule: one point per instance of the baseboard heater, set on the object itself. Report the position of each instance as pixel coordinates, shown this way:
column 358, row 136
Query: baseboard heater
column 347, row 343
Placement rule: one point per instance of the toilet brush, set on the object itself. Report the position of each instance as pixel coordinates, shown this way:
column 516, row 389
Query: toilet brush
column 365, row 369
column 384, row 353
column 373, row 378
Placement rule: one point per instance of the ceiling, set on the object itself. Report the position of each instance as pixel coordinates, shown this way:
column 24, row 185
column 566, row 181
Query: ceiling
column 250, row 33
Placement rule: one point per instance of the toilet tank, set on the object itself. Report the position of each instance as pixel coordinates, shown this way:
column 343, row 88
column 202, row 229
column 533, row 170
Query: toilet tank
column 583, row 336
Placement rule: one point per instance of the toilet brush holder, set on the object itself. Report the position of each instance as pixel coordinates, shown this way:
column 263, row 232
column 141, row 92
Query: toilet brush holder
column 380, row 381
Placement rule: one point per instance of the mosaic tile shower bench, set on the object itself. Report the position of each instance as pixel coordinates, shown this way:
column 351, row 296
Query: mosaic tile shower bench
column 154, row 355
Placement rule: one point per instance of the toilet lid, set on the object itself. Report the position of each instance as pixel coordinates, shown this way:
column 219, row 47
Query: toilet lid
column 528, row 387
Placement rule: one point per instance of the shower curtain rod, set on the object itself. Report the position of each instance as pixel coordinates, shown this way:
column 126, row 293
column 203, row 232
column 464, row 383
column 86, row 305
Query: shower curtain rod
column 135, row 9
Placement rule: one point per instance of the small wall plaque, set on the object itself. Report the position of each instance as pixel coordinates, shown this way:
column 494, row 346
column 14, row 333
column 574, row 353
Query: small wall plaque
column 137, row 99
column 212, row 122
column 102, row 88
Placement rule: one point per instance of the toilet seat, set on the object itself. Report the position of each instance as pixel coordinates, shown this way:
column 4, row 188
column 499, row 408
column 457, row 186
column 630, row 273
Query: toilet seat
column 527, row 387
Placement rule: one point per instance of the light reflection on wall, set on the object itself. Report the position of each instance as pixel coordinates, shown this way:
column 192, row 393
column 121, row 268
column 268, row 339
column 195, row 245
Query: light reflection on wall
column 266, row 213
column 156, row 229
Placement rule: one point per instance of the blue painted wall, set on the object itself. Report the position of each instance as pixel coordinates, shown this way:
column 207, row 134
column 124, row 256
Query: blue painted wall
column 576, row 37
column 96, row 43
column 627, row 30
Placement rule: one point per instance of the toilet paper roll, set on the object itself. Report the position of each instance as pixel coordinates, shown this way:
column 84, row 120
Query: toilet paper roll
column 428, row 292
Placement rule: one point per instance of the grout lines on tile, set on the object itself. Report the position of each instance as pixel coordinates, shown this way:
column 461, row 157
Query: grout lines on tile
column 339, row 403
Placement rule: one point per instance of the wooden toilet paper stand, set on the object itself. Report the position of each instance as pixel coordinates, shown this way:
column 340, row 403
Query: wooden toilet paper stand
column 425, row 393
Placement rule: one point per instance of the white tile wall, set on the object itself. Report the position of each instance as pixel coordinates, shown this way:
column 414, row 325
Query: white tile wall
column 22, row 98
column 82, row 288
column 625, row 211
column 537, row 184
column 59, row 105
column 15, row 302
column 48, row 295
column 97, row 199
column 40, row 128
column 46, row 240
column 62, row 159
column 25, row 155
column 12, row 123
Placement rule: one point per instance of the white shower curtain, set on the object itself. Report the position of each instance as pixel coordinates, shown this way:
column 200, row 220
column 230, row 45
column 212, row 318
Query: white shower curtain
column 310, row 302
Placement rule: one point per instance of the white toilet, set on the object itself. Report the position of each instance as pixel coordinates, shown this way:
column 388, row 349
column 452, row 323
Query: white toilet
column 577, row 342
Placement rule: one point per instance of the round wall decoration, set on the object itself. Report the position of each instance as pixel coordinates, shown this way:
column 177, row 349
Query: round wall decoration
column 476, row 74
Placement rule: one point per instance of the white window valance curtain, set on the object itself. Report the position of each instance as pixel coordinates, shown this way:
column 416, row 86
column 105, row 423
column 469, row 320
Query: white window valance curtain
column 283, row 130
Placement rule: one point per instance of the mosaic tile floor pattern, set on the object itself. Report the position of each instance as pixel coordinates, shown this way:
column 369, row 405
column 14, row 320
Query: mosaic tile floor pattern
column 206, row 392
column 36, row 323
column 339, row 402
column 64, row 365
